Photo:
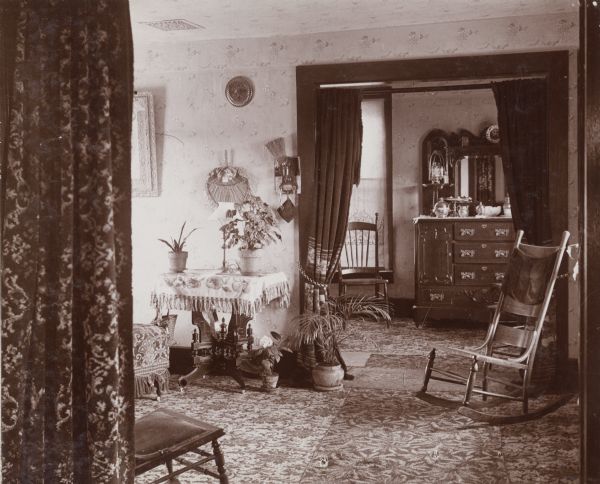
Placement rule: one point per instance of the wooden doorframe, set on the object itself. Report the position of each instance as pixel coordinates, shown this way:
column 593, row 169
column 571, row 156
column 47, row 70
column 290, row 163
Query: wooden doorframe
column 554, row 66
column 589, row 207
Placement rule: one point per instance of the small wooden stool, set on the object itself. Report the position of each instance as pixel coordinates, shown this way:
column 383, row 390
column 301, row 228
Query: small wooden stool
column 163, row 436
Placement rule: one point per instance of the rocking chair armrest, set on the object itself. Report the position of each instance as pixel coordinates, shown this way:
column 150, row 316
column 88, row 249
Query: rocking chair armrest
column 493, row 360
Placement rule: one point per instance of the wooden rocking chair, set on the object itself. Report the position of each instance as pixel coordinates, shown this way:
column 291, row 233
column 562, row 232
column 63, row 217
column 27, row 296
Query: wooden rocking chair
column 526, row 293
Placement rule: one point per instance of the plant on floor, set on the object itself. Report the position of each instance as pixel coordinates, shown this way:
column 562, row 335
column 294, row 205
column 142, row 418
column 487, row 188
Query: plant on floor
column 178, row 256
column 265, row 357
column 325, row 330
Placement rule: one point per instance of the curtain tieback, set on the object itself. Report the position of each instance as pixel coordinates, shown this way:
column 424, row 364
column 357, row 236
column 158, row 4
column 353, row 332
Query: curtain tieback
column 309, row 279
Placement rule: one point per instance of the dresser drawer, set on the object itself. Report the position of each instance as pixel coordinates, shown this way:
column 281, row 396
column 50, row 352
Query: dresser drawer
column 501, row 231
column 490, row 252
column 457, row 296
column 468, row 274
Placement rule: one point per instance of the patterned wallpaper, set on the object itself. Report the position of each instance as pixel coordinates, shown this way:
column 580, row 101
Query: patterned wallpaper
column 195, row 124
column 241, row 19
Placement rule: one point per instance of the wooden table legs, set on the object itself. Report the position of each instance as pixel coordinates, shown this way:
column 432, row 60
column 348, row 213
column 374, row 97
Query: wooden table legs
column 217, row 346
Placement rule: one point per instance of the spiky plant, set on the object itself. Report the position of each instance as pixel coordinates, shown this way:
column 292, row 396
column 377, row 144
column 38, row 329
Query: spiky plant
column 325, row 329
column 177, row 245
column 361, row 308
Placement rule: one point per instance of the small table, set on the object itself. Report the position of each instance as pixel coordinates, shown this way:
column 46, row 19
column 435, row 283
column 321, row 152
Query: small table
column 202, row 291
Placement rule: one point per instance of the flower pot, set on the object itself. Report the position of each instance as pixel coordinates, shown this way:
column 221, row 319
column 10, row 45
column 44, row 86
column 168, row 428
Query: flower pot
column 327, row 378
column 269, row 382
column 250, row 261
column 177, row 261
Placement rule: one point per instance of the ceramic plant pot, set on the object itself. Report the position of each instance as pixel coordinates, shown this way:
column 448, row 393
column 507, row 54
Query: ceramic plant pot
column 269, row 382
column 177, row 261
column 250, row 261
column 327, row 378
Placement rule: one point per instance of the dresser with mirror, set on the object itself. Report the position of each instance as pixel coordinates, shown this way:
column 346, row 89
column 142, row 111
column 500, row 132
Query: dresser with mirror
column 460, row 256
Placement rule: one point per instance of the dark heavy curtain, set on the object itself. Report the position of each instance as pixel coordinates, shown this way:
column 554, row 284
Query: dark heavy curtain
column 67, row 371
column 337, row 169
column 523, row 132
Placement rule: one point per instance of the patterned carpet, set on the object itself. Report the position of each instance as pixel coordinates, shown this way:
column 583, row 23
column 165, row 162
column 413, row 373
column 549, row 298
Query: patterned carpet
column 375, row 430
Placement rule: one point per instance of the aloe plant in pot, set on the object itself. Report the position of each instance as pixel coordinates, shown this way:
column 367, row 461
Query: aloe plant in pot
column 325, row 330
column 178, row 256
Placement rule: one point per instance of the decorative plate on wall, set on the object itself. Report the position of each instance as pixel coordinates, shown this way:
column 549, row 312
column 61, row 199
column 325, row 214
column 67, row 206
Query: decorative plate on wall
column 239, row 91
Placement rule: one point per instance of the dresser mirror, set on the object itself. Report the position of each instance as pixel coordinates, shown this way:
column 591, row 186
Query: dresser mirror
column 463, row 165
column 480, row 177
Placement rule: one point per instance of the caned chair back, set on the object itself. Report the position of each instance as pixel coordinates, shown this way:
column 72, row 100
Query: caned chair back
column 526, row 292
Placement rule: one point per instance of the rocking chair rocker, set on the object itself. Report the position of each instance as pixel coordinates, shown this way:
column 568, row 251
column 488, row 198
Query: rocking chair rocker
column 525, row 293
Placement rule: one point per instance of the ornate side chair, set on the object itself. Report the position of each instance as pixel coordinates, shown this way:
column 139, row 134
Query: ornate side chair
column 151, row 344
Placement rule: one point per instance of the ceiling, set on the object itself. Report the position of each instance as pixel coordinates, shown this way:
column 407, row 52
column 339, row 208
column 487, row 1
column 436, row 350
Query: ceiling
column 235, row 19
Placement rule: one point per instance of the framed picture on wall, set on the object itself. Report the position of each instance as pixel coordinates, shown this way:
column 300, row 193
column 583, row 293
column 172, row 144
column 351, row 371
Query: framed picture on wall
column 144, row 170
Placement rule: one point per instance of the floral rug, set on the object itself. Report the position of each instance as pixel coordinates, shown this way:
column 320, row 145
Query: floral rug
column 375, row 430
column 405, row 338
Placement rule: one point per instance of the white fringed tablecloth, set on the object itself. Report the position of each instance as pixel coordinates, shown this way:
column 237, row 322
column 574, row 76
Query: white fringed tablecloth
column 201, row 290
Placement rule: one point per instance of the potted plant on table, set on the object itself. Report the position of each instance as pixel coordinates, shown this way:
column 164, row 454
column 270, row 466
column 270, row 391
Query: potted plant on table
column 253, row 227
column 325, row 330
column 177, row 256
column 264, row 357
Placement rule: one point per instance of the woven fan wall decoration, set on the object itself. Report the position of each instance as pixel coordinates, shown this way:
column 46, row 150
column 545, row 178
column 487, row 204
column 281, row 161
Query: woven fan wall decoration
column 227, row 184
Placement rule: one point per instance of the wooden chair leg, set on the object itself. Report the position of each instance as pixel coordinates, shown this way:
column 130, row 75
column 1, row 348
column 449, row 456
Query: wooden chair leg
column 471, row 381
column 428, row 368
column 385, row 296
column 158, row 390
column 525, row 394
column 220, row 461
column 484, row 381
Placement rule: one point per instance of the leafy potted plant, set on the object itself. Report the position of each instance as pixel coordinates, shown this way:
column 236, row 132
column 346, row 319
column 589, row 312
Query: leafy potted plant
column 325, row 330
column 177, row 256
column 253, row 227
column 264, row 357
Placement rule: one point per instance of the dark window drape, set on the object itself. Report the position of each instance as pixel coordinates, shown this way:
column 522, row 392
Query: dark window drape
column 523, row 133
column 337, row 169
column 67, row 371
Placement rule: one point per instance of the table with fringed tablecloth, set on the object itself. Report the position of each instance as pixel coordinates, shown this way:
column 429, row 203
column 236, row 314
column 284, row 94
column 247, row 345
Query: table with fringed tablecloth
column 206, row 292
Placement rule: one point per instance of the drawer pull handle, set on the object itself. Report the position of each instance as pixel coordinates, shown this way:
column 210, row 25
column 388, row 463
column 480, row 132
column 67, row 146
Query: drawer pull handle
column 484, row 246
column 467, row 276
column 467, row 252
column 465, row 232
column 484, row 268
column 501, row 232
column 484, row 226
column 501, row 253
column 499, row 276
column 436, row 296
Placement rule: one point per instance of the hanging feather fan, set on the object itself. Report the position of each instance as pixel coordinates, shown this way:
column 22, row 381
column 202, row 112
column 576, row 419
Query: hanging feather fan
column 276, row 147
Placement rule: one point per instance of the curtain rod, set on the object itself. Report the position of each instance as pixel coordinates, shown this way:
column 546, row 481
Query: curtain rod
column 378, row 88
column 456, row 87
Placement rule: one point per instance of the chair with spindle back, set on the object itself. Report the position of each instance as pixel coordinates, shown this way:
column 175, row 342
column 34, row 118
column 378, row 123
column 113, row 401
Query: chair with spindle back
column 359, row 263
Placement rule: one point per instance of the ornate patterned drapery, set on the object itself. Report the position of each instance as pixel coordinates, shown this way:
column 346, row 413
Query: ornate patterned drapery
column 67, row 371
column 337, row 169
column 337, row 160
